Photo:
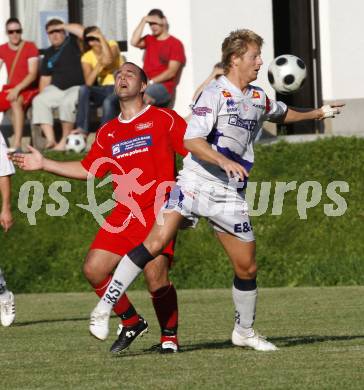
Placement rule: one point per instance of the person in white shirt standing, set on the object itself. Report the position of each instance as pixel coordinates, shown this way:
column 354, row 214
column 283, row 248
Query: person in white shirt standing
column 7, row 302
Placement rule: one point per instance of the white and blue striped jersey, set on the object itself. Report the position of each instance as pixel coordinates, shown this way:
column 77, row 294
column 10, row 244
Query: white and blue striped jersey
column 229, row 120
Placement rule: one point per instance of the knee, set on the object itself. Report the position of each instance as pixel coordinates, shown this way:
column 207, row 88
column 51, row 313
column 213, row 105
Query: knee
column 155, row 245
column 87, row 270
column 247, row 270
column 84, row 91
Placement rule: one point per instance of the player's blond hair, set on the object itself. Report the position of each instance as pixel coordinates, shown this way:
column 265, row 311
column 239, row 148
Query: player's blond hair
column 237, row 44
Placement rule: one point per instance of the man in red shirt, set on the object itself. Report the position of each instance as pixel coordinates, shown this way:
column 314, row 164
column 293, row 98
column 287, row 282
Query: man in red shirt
column 22, row 74
column 138, row 149
column 164, row 59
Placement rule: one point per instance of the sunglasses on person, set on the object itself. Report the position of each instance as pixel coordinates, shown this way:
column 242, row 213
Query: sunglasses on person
column 155, row 24
column 92, row 39
column 17, row 31
column 56, row 30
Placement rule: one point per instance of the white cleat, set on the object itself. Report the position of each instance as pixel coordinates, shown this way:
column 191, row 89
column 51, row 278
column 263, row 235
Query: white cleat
column 257, row 342
column 7, row 310
column 99, row 324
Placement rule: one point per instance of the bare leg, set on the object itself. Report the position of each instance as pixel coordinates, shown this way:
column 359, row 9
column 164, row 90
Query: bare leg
column 49, row 134
column 67, row 127
column 17, row 121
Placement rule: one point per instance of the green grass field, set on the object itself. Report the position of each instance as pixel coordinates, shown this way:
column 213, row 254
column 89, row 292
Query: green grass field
column 319, row 332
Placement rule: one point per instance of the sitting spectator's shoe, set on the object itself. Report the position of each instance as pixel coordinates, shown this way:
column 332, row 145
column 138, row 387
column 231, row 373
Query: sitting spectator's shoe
column 99, row 324
column 7, row 310
column 128, row 335
column 169, row 346
column 257, row 342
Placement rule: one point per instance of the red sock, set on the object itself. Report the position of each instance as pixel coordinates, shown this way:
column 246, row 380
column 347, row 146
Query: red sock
column 166, row 308
column 124, row 309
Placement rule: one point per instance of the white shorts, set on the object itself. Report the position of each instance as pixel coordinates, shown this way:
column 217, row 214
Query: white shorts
column 224, row 207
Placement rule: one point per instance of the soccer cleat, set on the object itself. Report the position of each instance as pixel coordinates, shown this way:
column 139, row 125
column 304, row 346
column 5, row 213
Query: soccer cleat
column 128, row 335
column 257, row 342
column 7, row 310
column 169, row 347
column 99, row 324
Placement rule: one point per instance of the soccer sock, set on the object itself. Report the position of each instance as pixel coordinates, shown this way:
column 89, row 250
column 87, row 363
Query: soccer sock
column 3, row 290
column 245, row 299
column 124, row 309
column 130, row 266
column 166, row 308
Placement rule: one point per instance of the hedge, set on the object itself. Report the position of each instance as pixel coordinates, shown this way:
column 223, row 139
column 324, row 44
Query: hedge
column 291, row 251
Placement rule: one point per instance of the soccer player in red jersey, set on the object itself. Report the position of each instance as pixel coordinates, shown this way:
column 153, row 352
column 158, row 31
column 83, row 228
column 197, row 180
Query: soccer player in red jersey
column 138, row 148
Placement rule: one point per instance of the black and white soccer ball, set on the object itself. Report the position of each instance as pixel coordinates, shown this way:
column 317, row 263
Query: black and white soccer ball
column 287, row 73
column 75, row 143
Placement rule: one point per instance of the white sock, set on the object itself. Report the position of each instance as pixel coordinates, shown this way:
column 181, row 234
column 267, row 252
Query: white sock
column 245, row 305
column 124, row 275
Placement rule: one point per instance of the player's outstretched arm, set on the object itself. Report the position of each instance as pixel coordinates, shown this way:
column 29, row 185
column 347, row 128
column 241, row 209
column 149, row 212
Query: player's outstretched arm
column 326, row 111
column 35, row 161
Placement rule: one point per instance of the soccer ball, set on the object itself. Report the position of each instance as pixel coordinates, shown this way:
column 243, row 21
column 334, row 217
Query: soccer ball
column 287, row 73
column 75, row 143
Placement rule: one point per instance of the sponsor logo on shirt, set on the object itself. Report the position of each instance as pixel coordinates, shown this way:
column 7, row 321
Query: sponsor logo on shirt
column 143, row 126
column 226, row 94
column 247, row 124
column 256, row 95
column 261, row 106
column 231, row 105
column 131, row 146
column 201, row 111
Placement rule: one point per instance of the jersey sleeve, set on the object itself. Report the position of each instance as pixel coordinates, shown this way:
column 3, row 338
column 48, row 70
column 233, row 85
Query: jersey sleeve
column 274, row 110
column 176, row 134
column 204, row 114
column 32, row 51
column 87, row 57
column 178, row 52
column 95, row 160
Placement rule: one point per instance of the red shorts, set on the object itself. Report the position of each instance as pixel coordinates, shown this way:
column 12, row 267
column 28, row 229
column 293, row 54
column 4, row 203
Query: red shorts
column 133, row 235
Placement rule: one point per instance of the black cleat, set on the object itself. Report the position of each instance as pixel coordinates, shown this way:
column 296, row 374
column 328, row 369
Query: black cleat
column 128, row 335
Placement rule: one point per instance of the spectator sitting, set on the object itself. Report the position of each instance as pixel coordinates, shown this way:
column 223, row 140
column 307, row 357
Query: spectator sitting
column 99, row 62
column 21, row 60
column 164, row 59
column 61, row 77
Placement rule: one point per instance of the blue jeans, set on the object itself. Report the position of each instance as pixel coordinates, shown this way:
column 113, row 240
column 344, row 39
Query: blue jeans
column 100, row 96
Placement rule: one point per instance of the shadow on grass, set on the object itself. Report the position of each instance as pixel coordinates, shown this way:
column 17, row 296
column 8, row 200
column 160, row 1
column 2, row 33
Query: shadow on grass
column 281, row 342
column 55, row 320
column 292, row 341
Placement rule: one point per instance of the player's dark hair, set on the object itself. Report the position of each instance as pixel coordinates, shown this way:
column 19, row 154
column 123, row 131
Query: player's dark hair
column 143, row 75
column 12, row 20
column 237, row 44
column 53, row 22
column 156, row 12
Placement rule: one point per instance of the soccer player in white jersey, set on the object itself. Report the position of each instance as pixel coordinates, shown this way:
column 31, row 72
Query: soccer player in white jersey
column 7, row 302
column 225, row 120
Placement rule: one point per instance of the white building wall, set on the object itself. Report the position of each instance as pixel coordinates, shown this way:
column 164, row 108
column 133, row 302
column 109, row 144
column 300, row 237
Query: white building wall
column 213, row 20
column 342, row 48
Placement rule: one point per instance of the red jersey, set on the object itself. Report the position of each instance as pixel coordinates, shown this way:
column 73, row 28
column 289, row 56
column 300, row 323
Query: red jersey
column 7, row 54
column 157, row 55
column 140, row 153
